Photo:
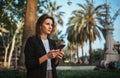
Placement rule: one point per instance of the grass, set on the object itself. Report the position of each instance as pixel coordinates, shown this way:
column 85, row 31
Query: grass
column 88, row 74
column 12, row 74
column 67, row 74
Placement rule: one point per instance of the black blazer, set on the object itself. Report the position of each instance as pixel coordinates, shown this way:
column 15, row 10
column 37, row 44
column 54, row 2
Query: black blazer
column 33, row 50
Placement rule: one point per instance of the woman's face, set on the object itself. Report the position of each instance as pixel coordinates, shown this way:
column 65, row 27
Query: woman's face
column 47, row 26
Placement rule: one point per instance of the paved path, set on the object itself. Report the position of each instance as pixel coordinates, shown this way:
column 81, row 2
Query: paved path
column 76, row 67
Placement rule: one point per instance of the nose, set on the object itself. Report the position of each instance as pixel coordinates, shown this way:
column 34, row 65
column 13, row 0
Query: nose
column 50, row 26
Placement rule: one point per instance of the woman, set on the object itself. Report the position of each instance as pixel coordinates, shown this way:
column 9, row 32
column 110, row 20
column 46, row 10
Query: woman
column 41, row 54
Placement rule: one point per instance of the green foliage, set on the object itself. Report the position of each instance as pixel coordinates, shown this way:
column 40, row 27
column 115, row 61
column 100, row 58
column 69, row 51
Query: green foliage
column 12, row 12
column 118, row 51
column 117, row 47
column 97, row 54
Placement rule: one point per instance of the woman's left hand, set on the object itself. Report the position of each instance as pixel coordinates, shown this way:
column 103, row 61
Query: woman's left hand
column 60, row 55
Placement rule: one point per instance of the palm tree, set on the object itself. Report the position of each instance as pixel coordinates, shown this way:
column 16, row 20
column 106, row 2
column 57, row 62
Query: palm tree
column 53, row 10
column 84, row 23
column 72, row 38
column 29, row 27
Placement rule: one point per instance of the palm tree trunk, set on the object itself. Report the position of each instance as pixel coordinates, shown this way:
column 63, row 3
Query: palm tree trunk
column 78, row 60
column 90, row 52
column 29, row 27
column 70, row 55
column 82, row 54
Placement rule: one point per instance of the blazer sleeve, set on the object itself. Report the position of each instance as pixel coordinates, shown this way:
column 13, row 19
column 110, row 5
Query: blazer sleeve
column 31, row 61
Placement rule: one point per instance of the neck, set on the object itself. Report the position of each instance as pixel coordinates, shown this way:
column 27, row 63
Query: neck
column 43, row 37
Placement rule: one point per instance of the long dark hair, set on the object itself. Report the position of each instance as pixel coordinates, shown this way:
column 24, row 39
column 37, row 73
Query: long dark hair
column 40, row 22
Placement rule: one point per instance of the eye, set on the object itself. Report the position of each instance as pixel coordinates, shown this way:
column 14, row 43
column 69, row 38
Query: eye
column 47, row 23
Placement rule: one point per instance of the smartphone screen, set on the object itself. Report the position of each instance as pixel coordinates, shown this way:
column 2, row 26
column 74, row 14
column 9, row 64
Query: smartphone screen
column 61, row 46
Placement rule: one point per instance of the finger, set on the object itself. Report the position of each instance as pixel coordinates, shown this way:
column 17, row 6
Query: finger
column 54, row 55
column 62, row 53
column 59, row 57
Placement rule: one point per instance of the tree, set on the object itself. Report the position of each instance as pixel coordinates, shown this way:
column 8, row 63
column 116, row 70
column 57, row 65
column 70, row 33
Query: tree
column 97, row 54
column 84, row 25
column 19, row 26
column 29, row 27
column 10, row 16
column 74, row 38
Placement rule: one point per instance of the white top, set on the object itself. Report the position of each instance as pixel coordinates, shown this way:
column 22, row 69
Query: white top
column 47, row 48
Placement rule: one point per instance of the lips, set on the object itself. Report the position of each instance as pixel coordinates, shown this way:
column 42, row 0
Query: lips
column 49, row 31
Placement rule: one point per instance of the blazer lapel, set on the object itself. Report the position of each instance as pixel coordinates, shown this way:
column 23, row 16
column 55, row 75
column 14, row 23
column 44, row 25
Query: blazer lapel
column 41, row 44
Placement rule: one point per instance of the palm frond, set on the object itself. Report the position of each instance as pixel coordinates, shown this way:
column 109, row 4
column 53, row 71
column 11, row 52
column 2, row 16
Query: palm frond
column 100, row 7
column 88, row 2
column 61, row 13
column 82, row 6
column 58, row 7
column 74, row 20
column 78, row 12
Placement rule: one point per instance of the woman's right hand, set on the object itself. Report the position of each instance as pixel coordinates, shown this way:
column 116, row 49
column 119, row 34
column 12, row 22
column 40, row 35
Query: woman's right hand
column 52, row 54
column 49, row 55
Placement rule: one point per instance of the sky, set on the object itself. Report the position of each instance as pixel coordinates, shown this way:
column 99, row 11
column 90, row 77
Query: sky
column 114, row 6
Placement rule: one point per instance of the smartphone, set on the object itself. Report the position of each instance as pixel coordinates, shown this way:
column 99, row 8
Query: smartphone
column 61, row 46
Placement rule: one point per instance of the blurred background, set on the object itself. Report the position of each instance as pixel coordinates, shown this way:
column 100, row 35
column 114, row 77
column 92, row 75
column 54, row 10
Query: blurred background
column 82, row 25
